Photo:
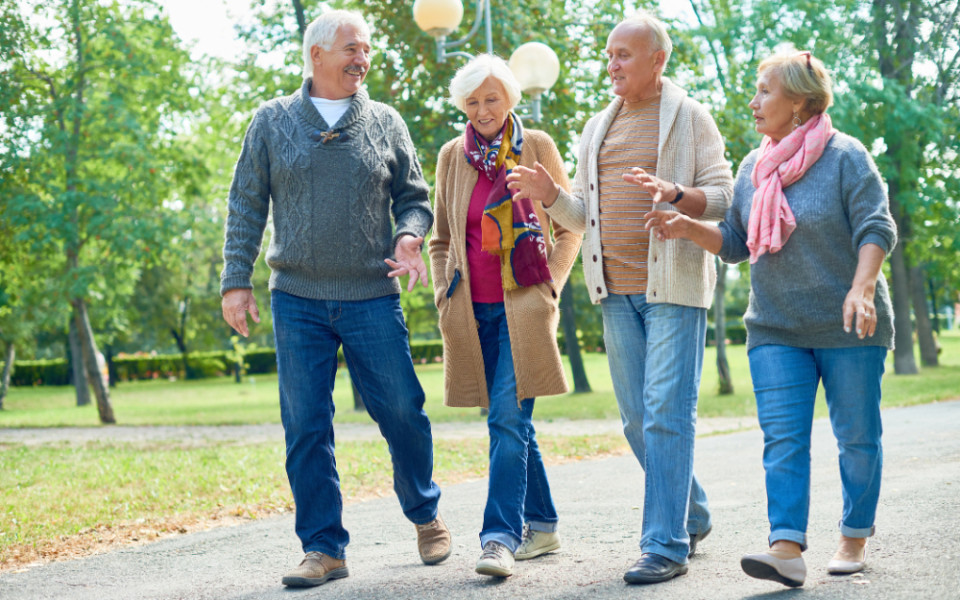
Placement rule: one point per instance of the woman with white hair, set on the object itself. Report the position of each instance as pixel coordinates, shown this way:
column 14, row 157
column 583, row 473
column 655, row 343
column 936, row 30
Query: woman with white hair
column 497, row 277
column 810, row 212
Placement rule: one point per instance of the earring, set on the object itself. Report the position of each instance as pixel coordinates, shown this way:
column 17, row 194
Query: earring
column 796, row 120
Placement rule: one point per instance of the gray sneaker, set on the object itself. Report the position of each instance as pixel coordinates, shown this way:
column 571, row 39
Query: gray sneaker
column 316, row 568
column 536, row 543
column 496, row 560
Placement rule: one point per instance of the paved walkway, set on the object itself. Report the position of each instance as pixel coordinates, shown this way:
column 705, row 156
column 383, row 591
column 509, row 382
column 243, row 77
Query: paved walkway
column 248, row 434
column 915, row 553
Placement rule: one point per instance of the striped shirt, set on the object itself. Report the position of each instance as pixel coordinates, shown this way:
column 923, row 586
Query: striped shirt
column 630, row 142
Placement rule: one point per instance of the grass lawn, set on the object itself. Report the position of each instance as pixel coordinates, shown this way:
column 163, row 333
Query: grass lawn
column 220, row 401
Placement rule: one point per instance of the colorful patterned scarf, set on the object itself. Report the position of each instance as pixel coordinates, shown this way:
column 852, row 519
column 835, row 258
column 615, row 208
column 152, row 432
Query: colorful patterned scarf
column 510, row 227
column 779, row 165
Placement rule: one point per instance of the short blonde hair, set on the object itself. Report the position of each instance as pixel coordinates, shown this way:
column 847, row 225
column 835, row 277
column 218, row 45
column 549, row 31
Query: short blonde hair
column 323, row 32
column 658, row 32
column 472, row 75
column 802, row 75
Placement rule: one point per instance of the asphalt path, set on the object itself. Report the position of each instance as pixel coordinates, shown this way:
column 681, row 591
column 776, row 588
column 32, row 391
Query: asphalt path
column 914, row 555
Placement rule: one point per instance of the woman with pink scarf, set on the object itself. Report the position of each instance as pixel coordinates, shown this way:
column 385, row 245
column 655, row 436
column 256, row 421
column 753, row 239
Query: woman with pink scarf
column 810, row 212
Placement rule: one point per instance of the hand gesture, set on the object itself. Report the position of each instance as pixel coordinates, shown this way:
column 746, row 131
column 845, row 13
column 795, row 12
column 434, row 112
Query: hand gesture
column 660, row 190
column 409, row 261
column 858, row 305
column 667, row 224
column 235, row 305
column 535, row 184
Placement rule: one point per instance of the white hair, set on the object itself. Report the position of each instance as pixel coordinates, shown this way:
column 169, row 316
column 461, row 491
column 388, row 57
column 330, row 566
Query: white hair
column 472, row 75
column 658, row 32
column 323, row 31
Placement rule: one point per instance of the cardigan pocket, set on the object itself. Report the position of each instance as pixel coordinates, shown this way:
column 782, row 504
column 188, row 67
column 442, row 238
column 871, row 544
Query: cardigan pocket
column 453, row 282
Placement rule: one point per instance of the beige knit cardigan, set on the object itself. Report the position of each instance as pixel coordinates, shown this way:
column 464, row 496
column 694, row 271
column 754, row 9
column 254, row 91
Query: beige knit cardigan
column 690, row 152
column 532, row 312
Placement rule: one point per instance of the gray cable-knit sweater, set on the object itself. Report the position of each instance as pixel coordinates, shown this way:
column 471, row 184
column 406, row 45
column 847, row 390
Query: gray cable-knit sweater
column 332, row 201
column 797, row 294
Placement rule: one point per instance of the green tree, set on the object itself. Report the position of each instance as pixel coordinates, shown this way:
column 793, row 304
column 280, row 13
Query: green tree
column 96, row 87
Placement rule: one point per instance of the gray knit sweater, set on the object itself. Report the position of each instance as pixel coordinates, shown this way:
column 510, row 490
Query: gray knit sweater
column 332, row 201
column 797, row 294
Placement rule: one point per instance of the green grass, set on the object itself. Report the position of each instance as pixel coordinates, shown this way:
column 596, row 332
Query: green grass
column 60, row 498
column 220, row 401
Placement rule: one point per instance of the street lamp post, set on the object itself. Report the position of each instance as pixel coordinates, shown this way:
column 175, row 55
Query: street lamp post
column 535, row 65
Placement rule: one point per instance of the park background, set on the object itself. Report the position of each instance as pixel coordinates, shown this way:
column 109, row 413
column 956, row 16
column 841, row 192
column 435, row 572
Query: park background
column 117, row 143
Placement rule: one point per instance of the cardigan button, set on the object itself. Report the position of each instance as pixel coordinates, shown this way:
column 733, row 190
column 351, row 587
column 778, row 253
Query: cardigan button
column 594, row 258
column 599, row 290
column 593, row 222
column 591, row 187
column 553, row 293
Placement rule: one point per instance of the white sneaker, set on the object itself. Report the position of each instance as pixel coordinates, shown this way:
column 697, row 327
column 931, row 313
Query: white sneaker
column 536, row 543
column 766, row 565
column 496, row 560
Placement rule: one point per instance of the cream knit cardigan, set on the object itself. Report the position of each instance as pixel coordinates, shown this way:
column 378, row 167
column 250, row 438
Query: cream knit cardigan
column 690, row 152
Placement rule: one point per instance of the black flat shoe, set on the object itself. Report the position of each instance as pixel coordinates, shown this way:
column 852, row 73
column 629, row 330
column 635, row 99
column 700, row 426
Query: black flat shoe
column 653, row 568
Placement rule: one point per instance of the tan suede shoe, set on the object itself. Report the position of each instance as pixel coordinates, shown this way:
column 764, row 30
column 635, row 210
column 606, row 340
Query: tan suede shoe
column 315, row 568
column 433, row 541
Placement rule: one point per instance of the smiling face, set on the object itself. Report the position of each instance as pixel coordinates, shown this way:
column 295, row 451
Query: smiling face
column 772, row 109
column 633, row 62
column 487, row 108
column 339, row 72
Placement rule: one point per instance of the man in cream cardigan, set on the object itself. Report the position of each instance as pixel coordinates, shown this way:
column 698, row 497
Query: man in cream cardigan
column 651, row 147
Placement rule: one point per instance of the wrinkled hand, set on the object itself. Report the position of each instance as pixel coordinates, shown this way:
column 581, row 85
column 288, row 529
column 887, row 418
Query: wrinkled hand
column 236, row 303
column 858, row 306
column 667, row 224
column 535, row 184
column 660, row 190
column 409, row 261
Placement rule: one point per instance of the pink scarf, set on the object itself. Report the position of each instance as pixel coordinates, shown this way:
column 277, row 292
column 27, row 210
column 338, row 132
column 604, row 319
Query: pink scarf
column 780, row 165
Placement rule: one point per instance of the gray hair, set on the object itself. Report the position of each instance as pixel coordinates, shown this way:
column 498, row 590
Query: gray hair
column 472, row 75
column 658, row 32
column 323, row 31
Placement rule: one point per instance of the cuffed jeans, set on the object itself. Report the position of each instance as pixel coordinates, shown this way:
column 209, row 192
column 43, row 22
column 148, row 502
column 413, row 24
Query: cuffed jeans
column 375, row 345
column 785, row 381
column 518, row 491
column 655, row 353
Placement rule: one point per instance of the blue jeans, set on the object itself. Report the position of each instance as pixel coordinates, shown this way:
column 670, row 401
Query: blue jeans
column 518, row 490
column 785, row 381
column 374, row 337
column 655, row 353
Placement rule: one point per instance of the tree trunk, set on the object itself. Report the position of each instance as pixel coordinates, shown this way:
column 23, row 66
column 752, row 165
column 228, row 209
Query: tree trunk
column 928, row 347
column 724, row 383
column 80, row 383
column 358, row 404
column 182, row 346
column 301, row 19
column 568, row 318
column 933, row 306
column 10, row 356
column 904, row 362
column 112, row 376
column 88, row 347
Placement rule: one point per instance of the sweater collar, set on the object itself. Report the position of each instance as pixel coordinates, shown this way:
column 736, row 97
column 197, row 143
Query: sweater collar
column 671, row 98
column 358, row 107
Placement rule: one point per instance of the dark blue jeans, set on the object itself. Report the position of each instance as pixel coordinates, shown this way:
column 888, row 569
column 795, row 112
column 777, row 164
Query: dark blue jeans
column 518, row 490
column 308, row 334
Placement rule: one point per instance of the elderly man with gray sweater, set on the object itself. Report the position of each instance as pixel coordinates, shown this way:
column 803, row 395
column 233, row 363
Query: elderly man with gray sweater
column 335, row 166
column 654, row 294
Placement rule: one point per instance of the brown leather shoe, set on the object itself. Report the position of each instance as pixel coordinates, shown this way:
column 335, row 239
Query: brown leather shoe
column 315, row 568
column 433, row 541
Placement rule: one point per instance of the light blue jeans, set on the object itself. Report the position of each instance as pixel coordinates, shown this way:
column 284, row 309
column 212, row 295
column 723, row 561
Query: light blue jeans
column 655, row 353
column 518, row 490
column 374, row 337
column 785, row 381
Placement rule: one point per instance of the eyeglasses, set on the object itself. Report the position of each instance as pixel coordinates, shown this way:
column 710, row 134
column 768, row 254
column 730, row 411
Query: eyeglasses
column 809, row 64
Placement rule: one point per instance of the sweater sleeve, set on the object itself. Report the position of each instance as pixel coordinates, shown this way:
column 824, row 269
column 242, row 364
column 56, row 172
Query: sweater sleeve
column 733, row 227
column 248, row 206
column 566, row 242
column 570, row 209
column 411, row 194
column 713, row 175
column 865, row 201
